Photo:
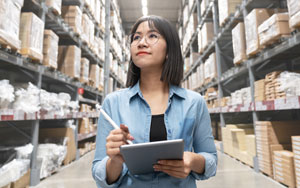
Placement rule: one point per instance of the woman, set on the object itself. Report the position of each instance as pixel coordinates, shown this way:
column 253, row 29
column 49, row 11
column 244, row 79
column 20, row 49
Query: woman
column 153, row 108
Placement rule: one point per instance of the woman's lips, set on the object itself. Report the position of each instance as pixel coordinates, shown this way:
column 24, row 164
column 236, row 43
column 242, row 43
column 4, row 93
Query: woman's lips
column 143, row 53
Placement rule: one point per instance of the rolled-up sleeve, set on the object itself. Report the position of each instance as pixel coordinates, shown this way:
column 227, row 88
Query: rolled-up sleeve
column 100, row 160
column 203, row 142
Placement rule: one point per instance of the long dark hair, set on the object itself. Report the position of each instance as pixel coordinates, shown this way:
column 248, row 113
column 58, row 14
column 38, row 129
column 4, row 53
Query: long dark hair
column 172, row 72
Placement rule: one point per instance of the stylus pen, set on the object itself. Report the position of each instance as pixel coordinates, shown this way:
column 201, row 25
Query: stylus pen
column 115, row 126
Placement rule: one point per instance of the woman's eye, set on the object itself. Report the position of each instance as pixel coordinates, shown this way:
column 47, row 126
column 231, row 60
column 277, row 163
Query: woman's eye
column 136, row 37
column 152, row 35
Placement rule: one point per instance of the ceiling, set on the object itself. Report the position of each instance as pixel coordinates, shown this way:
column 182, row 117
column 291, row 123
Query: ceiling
column 131, row 10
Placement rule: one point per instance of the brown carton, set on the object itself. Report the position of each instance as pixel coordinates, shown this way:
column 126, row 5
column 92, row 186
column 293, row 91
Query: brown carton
column 207, row 32
column 227, row 7
column 50, row 49
column 69, row 60
column 55, row 5
column 73, row 17
column 84, row 73
column 94, row 75
column 239, row 43
column 294, row 12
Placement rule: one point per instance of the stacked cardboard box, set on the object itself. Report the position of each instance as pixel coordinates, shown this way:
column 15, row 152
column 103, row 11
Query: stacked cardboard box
column 272, row 85
column 94, row 75
column 50, row 49
column 200, row 74
column 227, row 7
column 273, row 136
column 296, row 151
column 204, row 5
column 294, row 12
column 187, row 64
column 210, row 68
column 239, row 43
column 55, row 5
column 259, row 90
column 24, row 181
column 272, row 29
column 284, row 167
column 207, row 35
column 73, row 17
column 252, row 21
column 84, row 72
column 10, row 11
column 31, row 35
column 69, row 60
column 101, row 79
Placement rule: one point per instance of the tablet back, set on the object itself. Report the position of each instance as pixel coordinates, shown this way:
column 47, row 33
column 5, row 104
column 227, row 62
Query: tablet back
column 140, row 158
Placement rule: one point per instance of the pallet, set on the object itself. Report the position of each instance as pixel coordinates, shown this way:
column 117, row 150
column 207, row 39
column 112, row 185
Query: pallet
column 30, row 54
column 275, row 41
column 8, row 47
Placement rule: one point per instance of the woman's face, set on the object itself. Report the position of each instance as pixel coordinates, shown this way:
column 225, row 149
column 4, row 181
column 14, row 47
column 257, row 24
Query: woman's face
column 148, row 48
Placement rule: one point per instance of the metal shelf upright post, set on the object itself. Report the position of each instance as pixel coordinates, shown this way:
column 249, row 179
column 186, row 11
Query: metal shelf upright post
column 107, row 48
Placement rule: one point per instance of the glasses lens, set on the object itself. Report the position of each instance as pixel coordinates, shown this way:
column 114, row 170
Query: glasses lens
column 152, row 37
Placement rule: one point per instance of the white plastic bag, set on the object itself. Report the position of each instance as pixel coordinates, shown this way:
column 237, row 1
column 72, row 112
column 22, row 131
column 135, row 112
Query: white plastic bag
column 6, row 94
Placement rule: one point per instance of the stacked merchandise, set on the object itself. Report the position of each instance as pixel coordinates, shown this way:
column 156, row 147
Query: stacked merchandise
column 88, row 30
column 187, row 64
column 239, row 43
column 84, row 72
column 284, row 170
column 270, row 86
column 10, row 13
column 204, row 5
column 7, row 96
column 50, row 49
column 274, row 28
column 227, row 7
column 31, row 35
column 69, row 61
column 294, row 13
column 296, row 151
column 288, row 83
column 225, row 101
column 273, row 136
column 200, row 74
column 211, row 96
column 94, row 75
column 259, row 90
column 207, row 35
column 252, row 21
column 210, row 68
column 14, row 166
column 73, row 17
column 86, row 147
column 86, row 125
column 190, row 23
column 54, row 5
column 242, row 96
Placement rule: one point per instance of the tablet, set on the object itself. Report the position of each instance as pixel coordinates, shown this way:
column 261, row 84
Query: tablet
column 140, row 158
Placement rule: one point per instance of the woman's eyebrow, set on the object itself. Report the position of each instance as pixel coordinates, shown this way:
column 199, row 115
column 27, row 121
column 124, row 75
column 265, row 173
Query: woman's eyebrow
column 151, row 30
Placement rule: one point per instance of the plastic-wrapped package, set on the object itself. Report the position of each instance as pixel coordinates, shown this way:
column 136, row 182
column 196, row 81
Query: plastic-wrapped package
column 294, row 12
column 207, row 34
column 210, row 68
column 10, row 11
column 204, row 5
column 273, row 28
column 27, row 100
column 52, row 156
column 31, row 35
column 85, row 28
column 74, row 105
column 94, row 75
column 73, row 16
column 24, row 152
column 69, row 60
column 289, row 83
column 55, row 5
column 227, row 7
column 200, row 72
column 50, row 49
column 239, row 43
column 6, row 94
column 84, row 73
column 13, row 171
column 252, row 21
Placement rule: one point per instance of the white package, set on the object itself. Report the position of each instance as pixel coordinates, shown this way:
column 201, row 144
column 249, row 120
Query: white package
column 6, row 94
column 24, row 152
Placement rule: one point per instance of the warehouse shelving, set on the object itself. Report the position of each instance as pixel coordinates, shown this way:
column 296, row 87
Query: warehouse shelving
column 43, row 77
column 280, row 56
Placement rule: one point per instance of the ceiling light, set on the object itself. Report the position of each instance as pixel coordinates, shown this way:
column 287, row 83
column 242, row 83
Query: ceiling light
column 144, row 3
column 145, row 11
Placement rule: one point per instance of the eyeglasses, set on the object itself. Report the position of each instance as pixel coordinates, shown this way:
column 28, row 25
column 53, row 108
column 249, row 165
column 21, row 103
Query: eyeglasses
column 151, row 38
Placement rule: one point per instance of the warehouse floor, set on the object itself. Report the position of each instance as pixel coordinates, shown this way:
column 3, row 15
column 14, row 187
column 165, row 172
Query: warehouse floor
column 231, row 173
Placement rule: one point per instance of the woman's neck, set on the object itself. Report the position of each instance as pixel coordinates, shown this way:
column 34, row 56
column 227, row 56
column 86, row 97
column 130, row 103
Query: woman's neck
column 151, row 83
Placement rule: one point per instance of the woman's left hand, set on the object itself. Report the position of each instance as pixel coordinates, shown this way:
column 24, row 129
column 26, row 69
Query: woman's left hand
column 176, row 168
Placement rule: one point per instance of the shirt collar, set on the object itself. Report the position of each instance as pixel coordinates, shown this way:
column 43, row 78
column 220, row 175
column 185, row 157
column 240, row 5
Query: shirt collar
column 180, row 92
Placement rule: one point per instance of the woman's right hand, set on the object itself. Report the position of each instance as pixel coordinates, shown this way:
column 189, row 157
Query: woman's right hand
column 114, row 140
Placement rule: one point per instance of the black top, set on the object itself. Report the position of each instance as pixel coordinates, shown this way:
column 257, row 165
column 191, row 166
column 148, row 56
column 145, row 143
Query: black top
column 158, row 129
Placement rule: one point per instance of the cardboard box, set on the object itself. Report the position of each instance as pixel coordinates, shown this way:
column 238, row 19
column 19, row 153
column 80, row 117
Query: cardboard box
column 61, row 133
column 55, row 5
column 69, row 60
column 227, row 7
column 31, row 35
column 50, row 49
column 94, row 75
column 272, row 29
column 84, row 125
column 239, row 43
column 207, row 32
column 24, row 181
column 73, row 17
column 10, row 13
column 84, row 72
column 252, row 21
column 210, row 68
column 294, row 13
column 204, row 4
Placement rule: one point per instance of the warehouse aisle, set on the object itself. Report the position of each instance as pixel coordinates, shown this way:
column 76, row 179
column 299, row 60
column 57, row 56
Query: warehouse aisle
column 231, row 174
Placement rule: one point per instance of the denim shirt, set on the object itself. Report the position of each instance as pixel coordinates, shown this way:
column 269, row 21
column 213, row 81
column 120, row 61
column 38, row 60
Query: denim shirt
column 186, row 117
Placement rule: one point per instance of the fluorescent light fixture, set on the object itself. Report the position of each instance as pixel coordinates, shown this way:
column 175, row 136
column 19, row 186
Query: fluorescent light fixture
column 144, row 3
column 145, row 11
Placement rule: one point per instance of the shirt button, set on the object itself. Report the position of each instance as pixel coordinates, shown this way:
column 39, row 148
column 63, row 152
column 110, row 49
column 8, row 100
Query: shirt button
column 169, row 131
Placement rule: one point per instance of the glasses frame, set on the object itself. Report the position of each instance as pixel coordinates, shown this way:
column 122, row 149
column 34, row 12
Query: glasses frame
column 132, row 35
